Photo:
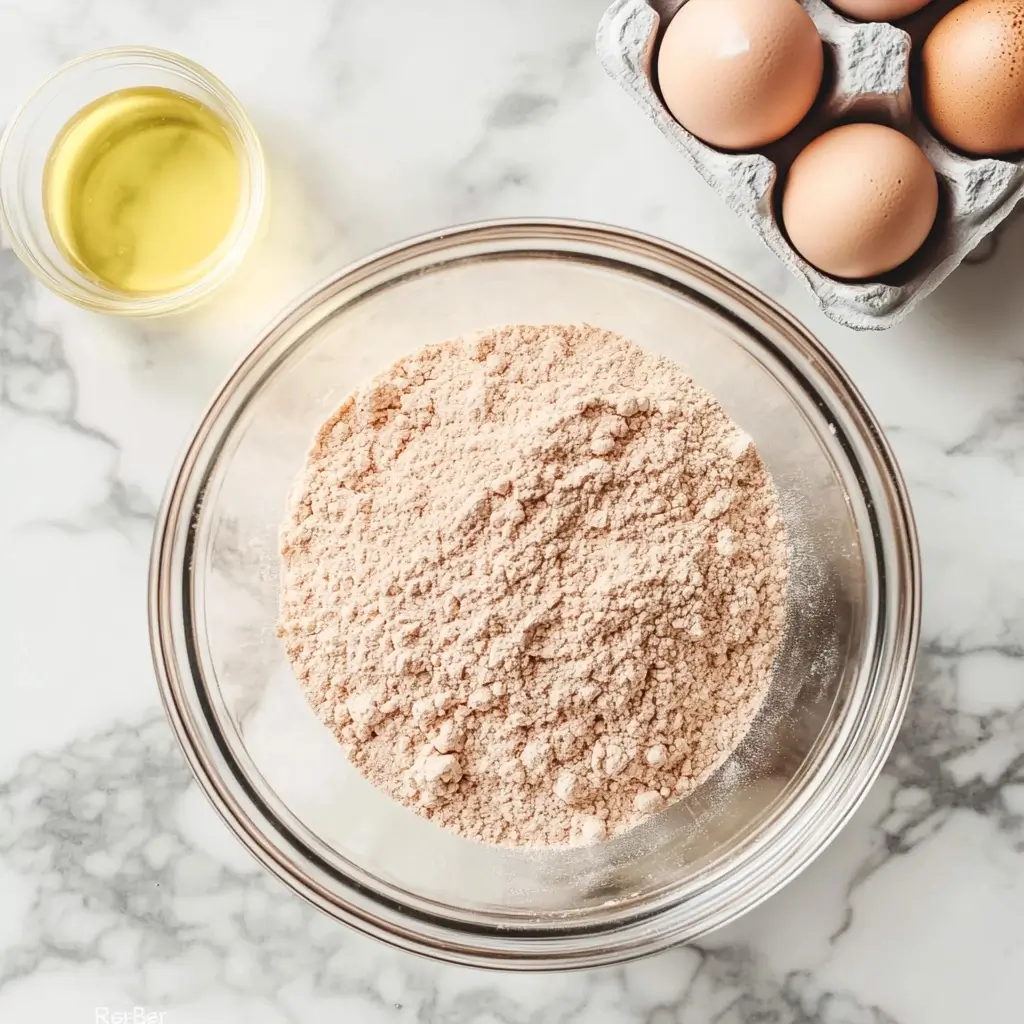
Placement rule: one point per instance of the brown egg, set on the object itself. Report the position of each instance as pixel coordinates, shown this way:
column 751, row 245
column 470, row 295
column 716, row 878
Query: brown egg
column 859, row 201
column 740, row 73
column 878, row 10
column 973, row 76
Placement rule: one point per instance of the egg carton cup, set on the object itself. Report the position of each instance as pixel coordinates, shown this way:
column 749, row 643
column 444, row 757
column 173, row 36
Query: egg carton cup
column 868, row 74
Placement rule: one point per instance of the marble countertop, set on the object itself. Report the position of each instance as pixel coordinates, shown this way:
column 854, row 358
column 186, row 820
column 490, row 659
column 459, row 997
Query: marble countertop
column 120, row 888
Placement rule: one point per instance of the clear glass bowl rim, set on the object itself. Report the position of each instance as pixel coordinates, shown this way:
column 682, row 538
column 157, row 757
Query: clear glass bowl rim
column 773, row 860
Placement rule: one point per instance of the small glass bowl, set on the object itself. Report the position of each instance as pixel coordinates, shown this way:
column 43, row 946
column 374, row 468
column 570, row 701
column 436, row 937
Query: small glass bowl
column 277, row 776
column 26, row 144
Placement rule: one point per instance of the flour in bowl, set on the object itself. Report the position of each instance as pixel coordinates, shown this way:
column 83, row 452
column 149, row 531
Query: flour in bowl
column 534, row 581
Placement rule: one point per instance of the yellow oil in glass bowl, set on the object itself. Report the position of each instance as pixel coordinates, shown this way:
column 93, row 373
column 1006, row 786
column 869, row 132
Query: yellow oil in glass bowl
column 141, row 188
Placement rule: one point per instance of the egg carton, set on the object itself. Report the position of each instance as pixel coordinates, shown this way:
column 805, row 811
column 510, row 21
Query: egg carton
column 867, row 78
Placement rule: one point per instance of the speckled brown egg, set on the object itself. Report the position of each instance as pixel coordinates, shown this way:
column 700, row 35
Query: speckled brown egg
column 740, row 73
column 878, row 10
column 973, row 77
column 859, row 201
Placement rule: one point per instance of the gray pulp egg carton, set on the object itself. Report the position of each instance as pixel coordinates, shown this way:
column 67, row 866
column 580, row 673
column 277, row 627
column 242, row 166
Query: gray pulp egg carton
column 867, row 77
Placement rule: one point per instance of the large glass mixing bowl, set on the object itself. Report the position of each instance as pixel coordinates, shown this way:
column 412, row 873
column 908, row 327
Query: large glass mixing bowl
column 283, row 785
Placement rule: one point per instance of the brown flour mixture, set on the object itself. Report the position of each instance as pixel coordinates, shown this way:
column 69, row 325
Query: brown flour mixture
column 534, row 581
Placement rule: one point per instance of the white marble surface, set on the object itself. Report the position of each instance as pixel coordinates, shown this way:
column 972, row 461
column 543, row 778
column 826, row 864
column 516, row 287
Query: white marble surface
column 118, row 886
